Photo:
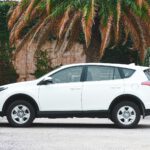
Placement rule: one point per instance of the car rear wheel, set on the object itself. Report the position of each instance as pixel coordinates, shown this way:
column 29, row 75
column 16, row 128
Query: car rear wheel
column 20, row 114
column 126, row 114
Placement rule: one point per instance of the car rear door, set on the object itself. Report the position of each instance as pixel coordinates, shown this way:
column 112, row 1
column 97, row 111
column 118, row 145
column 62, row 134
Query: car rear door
column 102, row 85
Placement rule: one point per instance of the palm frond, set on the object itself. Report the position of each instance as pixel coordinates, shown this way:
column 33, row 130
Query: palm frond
column 65, row 22
column 65, row 44
column 26, row 18
column 14, row 16
column 26, row 39
column 126, row 32
column 88, row 20
column 48, row 6
column 74, row 30
column 136, row 33
column 118, row 21
column 59, row 19
column 12, row 33
column 105, row 32
column 140, row 3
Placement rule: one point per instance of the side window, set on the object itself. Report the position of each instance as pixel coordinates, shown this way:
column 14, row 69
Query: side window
column 68, row 75
column 116, row 74
column 147, row 73
column 127, row 72
column 99, row 73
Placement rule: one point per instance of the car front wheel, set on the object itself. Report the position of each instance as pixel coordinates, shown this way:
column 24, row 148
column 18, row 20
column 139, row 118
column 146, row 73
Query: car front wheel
column 126, row 115
column 20, row 114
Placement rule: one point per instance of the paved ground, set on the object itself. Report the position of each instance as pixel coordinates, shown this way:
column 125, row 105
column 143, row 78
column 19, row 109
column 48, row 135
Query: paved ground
column 74, row 134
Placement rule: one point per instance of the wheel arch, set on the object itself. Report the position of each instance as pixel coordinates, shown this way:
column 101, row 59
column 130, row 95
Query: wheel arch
column 128, row 97
column 17, row 97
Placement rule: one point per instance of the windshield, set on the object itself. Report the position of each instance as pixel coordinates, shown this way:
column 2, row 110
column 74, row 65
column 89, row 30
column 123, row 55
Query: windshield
column 147, row 73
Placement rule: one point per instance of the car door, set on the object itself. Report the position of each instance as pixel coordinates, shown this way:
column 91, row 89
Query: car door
column 64, row 93
column 102, row 85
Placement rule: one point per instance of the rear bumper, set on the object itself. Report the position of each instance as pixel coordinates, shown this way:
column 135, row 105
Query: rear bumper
column 147, row 112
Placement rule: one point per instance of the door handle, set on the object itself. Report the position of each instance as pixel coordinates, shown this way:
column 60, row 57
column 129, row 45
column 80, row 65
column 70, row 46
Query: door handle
column 75, row 88
column 116, row 87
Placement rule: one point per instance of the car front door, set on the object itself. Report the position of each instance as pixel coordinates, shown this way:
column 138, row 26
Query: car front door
column 102, row 85
column 64, row 93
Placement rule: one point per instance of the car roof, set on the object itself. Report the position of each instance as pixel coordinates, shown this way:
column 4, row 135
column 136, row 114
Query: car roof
column 129, row 66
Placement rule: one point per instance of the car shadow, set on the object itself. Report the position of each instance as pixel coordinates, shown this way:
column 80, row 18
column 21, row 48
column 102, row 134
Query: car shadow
column 75, row 125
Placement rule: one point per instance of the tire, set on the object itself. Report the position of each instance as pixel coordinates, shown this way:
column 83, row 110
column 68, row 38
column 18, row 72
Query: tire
column 111, row 119
column 20, row 113
column 126, row 115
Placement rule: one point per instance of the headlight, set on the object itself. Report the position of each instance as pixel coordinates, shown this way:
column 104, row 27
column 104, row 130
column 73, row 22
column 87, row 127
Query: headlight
column 3, row 88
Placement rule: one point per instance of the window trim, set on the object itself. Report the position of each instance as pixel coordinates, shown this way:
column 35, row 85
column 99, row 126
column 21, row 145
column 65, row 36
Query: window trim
column 84, row 72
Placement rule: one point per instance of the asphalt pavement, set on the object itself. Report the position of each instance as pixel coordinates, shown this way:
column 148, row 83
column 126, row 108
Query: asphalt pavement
column 74, row 134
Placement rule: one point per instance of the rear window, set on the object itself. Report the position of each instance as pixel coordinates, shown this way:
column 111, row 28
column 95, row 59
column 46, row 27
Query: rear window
column 147, row 73
column 126, row 73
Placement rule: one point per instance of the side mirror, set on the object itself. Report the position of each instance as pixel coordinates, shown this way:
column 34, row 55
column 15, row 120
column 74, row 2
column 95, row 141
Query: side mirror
column 47, row 80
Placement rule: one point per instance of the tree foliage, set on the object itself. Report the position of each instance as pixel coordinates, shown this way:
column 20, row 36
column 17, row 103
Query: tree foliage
column 118, row 20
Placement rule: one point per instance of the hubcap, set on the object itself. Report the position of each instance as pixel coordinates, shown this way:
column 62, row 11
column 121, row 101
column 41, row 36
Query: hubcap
column 20, row 114
column 126, row 115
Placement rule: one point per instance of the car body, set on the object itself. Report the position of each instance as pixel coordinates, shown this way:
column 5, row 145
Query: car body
column 116, row 91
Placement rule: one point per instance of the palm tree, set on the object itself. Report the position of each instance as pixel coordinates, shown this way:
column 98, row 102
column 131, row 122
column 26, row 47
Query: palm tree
column 105, row 23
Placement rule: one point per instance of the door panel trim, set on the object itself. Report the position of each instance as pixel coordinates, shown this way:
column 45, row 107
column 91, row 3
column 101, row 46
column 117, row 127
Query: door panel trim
column 71, row 114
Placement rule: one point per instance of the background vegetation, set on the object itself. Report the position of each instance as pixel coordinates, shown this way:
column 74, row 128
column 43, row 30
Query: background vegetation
column 119, row 54
column 7, row 73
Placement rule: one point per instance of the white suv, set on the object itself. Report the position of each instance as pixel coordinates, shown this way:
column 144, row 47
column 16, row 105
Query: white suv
column 118, row 92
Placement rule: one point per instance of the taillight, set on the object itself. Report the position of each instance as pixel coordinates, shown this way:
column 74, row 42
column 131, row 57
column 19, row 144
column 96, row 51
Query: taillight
column 146, row 83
